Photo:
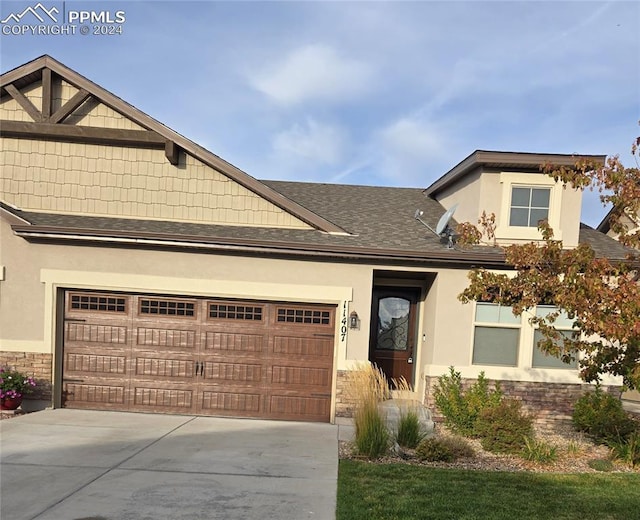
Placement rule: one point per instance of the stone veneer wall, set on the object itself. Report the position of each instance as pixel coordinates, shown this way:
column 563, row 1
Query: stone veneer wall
column 344, row 405
column 550, row 403
column 38, row 365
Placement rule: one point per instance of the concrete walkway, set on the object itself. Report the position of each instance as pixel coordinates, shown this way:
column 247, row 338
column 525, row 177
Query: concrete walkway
column 88, row 465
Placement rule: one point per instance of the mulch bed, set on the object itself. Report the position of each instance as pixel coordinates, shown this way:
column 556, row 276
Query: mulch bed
column 574, row 452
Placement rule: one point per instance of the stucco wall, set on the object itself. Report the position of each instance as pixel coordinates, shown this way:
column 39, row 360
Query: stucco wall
column 489, row 191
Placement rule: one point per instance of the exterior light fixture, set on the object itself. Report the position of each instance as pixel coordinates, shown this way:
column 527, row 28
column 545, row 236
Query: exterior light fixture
column 354, row 321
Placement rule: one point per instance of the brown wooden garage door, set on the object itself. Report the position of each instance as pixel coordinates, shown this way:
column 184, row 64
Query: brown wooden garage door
column 197, row 356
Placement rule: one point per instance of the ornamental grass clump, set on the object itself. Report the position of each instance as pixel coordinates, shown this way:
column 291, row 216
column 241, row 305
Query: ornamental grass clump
column 409, row 431
column 367, row 388
column 14, row 384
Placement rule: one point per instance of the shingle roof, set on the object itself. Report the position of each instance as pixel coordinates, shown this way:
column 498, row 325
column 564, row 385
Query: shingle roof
column 380, row 221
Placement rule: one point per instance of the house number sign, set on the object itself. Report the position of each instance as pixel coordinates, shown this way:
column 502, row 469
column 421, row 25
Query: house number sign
column 343, row 322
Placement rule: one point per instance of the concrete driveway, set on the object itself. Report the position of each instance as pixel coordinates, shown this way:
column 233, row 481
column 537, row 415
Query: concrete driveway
column 76, row 464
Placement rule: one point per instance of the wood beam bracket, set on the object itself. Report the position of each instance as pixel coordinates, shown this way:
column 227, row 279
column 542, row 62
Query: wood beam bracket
column 82, row 134
column 24, row 102
column 172, row 152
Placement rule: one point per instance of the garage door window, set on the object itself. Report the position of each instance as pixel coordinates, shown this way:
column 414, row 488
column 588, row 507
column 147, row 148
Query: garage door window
column 308, row 316
column 167, row 307
column 235, row 312
column 97, row 303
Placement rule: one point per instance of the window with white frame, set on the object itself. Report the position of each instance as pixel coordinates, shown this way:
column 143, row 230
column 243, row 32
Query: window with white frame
column 496, row 335
column 562, row 324
column 529, row 205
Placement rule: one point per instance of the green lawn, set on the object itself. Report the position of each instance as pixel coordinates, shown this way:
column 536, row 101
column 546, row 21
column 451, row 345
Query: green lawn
column 399, row 491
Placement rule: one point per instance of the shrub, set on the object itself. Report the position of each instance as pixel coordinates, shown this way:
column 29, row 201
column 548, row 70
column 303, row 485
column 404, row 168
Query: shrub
column 409, row 431
column 539, row 451
column 627, row 450
column 368, row 387
column 444, row 449
column 602, row 417
column 600, row 464
column 504, row 428
column 461, row 409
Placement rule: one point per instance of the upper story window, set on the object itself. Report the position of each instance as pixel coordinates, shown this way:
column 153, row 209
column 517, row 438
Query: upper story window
column 529, row 205
column 528, row 198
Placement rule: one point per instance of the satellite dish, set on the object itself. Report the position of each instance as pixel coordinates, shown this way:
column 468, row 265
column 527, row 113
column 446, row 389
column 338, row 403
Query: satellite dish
column 442, row 229
column 443, row 223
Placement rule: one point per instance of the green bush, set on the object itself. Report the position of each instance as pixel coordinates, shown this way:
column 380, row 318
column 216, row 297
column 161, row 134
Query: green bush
column 460, row 408
column 627, row 450
column 372, row 437
column 409, row 430
column 601, row 416
column 600, row 464
column 504, row 428
column 539, row 451
column 444, row 449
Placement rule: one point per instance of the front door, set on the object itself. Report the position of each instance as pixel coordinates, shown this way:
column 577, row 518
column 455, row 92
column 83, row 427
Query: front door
column 393, row 331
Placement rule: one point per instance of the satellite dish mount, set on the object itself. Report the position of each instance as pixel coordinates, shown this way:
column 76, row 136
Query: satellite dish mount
column 442, row 230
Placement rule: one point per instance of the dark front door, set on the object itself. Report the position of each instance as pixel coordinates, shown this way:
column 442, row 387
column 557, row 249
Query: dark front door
column 393, row 331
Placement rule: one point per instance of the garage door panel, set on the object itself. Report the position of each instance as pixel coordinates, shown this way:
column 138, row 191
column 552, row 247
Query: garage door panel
column 169, row 398
column 155, row 367
column 313, row 347
column 96, row 333
column 77, row 363
column 300, row 376
column 300, row 408
column 171, row 338
column 235, row 342
column 105, row 394
column 224, row 401
column 237, row 372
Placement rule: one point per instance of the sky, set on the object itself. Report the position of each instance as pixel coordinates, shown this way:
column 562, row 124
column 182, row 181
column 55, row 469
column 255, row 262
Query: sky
column 374, row 93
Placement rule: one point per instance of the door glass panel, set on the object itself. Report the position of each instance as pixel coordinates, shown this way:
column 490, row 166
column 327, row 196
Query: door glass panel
column 393, row 323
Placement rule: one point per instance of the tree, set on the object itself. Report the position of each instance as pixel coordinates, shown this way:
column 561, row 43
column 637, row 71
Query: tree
column 601, row 296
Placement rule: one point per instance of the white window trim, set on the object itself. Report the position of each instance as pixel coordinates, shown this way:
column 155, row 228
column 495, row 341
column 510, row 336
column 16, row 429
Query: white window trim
column 525, row 345
column 509, row 180
column 563, row 328
column 496, row 325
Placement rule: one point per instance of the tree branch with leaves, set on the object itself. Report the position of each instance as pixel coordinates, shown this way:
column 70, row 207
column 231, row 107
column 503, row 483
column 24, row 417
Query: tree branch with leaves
column 601, row 296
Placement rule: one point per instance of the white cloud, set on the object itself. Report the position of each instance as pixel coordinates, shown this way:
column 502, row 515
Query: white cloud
column 410, row 148
column 413, row 138
column 313, row 72
column 311, row 141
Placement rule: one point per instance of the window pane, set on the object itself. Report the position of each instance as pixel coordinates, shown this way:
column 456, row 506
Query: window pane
column 562, row 320
column 495, row 346
column 494, row 313
column 393, row 323
column 519, row 217
column 520, row 197
column 540, row 197
column 487, row 312
column 543, row 360
column 537, row 215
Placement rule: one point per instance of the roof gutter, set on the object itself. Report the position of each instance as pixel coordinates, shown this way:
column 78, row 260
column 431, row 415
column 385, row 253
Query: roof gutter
column 223, row 244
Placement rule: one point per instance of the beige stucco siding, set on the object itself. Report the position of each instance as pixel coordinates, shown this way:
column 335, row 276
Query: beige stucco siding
column 127, row 182
column 490, row 191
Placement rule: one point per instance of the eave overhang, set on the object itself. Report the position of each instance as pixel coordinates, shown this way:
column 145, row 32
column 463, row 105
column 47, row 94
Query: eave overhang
column 505, row 160
column 451, row 258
